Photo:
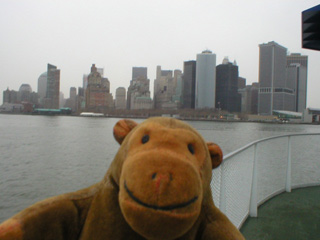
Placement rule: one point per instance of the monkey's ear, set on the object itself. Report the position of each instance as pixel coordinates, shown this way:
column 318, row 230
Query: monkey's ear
column 215, row 154
column 122, row 128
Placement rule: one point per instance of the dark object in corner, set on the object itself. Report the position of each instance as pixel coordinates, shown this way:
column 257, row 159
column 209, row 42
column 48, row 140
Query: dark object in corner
column 311, row 28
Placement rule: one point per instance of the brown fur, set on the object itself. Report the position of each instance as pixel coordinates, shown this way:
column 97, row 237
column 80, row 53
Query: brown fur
column 157, row 187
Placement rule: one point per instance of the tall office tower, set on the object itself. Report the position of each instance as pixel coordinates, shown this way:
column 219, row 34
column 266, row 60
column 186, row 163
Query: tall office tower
column 138, row 94
column 62, row 100
column 297, row 70
column 80, row 99
column 297, row 78
column 71, row 102
column 177, row 88
column 206, row 80
column 137, row 73
column 53, row 87
column 73, row 92
column 42, row 86
column 249, row 98
column 189, row 84
column 241, row 82
column 297, row 58
column 120, row 102
column 176, row 74
column 98, row 97
column 227, row 96
column 24, row 93
column 10, row 96
column 101, row 71
column 164, row 90
column 85, row 81
column 275, row 92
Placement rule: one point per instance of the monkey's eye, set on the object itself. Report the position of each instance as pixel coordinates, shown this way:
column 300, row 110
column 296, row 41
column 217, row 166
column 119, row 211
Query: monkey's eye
column 191, row 148
column 145, row 139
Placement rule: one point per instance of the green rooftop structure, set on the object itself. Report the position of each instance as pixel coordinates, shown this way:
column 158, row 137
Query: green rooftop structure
column 46, row 111
column 287, row 114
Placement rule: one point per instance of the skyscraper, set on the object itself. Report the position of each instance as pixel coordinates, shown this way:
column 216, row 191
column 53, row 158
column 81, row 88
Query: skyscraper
column 177, row 88
column 297, row 58
column 164, row 90
column 140, row 73
column 42, row 86
column 206, row 80
column 297, row 71
column 138, row 94
column 85, row 81
column 73, row 93
column 275, row 92
column 53, row 87
column 24, row 94
column 10, row 96
column 98, row 97
column 71, row 102
column 189, row 84
column 241, row 82
column 120, row 101
column 227, row 96
column 249, row 98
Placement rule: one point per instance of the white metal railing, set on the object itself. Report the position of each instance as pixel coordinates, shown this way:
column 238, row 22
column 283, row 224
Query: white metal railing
column 262, row 169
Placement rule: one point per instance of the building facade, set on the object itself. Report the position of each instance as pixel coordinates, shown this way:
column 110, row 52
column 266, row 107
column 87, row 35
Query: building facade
column 205, row 80
column 71, row 102
column 120, row 101
column 81, row 101
column 42, row 86
column 227, row 80
column 249, row 98
column 297, row 72
column 139, row 85
column 25, row 95
column 10, row 96
column 53, row 87
column 189, row 84
column 98, row 96
column 164, row 90
column 177, row 97
column 275, row 92
column 139, row 72
column 241, row 82
column 85, row 81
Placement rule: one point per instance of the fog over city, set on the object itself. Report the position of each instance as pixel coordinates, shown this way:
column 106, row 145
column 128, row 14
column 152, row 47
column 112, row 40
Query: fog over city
column 119, row 35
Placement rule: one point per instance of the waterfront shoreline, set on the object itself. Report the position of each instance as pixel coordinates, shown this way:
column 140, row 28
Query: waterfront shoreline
column 169, row 115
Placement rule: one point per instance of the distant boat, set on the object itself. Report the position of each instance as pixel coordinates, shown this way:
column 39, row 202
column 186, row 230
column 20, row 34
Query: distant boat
column 91, row 114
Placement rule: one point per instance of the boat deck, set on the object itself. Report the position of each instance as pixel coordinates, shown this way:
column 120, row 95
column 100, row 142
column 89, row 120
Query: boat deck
column 288, row 216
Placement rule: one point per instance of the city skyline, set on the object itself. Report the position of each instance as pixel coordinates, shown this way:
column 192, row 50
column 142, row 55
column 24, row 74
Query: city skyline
column 69, row 39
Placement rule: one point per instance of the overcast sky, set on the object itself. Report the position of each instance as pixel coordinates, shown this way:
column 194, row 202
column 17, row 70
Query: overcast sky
column 118, row 35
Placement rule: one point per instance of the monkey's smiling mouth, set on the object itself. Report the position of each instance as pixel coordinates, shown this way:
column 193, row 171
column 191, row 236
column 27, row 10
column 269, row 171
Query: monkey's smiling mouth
column 155, row 207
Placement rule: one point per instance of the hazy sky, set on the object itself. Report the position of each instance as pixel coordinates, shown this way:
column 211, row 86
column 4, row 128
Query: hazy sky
column 118, row 35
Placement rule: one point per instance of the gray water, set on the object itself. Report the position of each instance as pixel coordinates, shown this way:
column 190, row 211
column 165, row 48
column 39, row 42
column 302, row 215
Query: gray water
column 42, row 156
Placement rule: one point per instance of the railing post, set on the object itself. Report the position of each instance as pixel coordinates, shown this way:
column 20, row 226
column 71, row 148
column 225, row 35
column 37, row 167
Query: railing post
column 288, row 181
column 223, row 200
column 253, row 208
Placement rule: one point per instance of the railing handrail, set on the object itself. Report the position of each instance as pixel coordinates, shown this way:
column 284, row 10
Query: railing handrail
column 229, row 155
column 251, row 200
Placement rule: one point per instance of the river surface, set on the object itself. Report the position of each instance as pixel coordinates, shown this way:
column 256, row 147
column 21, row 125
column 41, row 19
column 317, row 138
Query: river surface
column 42, row 156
